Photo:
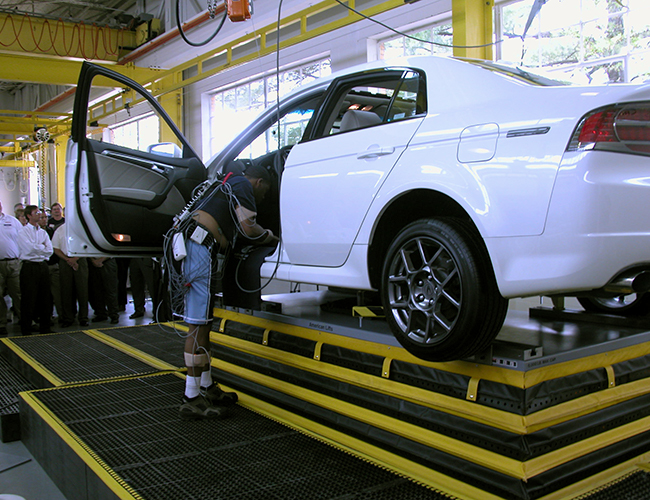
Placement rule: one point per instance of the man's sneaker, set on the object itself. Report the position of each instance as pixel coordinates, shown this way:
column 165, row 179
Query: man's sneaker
column 218, row 397
column 198, row 407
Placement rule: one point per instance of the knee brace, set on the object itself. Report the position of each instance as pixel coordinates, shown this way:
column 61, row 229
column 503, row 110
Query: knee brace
column 196, row 360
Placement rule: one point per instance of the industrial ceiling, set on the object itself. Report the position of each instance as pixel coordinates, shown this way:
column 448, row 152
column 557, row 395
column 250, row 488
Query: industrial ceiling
column 110, row 12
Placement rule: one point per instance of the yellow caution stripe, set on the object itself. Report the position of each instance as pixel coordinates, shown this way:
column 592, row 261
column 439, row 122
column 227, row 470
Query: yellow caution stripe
column 132, row 351
column 415, row 472
column 523, row 470
column 499, row 374
column 35, row 365
column 468, row 409
column 368, row 311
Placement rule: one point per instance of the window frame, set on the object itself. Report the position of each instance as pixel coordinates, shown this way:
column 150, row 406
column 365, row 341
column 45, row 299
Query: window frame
column 342, row 85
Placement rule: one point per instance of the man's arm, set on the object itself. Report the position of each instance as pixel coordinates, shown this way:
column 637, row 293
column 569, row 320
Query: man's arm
column 29, row 246
column 252, row 229
column 72, row 261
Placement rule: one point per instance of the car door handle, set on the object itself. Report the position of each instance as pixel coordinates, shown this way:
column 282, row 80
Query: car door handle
column 375, row 153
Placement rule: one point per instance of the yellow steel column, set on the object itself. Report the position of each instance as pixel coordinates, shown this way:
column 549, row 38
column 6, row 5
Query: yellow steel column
column 60, row 143
column 172, row 103
column 472, row 24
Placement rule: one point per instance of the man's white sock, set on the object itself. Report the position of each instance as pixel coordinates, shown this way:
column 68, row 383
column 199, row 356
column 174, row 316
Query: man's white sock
column 206, row 378
column 192, row 385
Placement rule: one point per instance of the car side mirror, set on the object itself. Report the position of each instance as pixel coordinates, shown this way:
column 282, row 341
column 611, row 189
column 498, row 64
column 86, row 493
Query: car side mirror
column 165, row 149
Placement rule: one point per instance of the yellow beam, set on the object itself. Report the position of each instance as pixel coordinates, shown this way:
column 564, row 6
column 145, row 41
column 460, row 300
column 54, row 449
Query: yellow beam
column 299, row 27
column 61, row 143
column 26, row 34
column 172, row 103
column 472, row 24
column 17, row 163
column 57, row 71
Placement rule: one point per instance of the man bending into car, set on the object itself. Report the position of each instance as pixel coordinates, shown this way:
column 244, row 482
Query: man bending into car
column 227, row 214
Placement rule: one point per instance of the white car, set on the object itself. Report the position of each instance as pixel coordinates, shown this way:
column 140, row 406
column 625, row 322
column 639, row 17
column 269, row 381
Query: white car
column 447, row 185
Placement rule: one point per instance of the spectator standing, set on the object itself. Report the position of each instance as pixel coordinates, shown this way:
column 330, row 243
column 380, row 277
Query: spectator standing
column 73, row 276
column 9, row 266
column 19, row 214
column 35, row 249
column 141, row 274
column 53, row 267
column 103, row 289
column 56, row 218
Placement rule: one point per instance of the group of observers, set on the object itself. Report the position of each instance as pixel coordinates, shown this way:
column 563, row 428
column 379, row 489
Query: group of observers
column 39, row 274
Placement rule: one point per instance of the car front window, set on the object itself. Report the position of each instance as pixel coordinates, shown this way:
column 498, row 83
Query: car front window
column 373, row 99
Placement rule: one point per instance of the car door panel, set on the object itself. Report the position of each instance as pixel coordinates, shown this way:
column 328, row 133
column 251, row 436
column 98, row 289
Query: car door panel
column 330, row 181
column 123, row 198
column 342, row 173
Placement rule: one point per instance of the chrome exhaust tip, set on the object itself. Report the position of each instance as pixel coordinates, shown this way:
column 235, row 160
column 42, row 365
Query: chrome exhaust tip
column 637, row 282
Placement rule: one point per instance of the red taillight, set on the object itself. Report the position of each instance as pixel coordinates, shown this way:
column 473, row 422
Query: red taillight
column 618, row 128
column 599, row 127
column 633, row 128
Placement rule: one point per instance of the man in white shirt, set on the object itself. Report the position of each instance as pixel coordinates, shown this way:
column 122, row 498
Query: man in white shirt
column 35, row 249
column 9, row 266
column 73, row 279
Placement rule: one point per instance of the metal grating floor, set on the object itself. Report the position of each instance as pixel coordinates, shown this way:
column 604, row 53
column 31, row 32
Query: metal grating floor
column 133, row 426
column 77, row 357
column 159, row 341
column 634, row 486
column 11, row 383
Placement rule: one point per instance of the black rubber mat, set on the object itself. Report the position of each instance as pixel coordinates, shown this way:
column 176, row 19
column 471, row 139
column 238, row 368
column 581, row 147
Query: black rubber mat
column 133, row 426
column 77, row 357
column 159, row 341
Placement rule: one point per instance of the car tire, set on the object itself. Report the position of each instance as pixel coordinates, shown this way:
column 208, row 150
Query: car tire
column 623, row 305
column 439, row 293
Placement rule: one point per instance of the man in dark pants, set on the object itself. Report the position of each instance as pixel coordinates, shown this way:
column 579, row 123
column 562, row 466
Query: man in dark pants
column 9, row 267
column 35, row 250
column 141, row 275
column 103, row 289
column 73, row 280
column 241, row 277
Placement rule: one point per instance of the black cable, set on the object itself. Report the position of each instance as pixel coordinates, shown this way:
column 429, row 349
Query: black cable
column 413, row 37
column 182, row 33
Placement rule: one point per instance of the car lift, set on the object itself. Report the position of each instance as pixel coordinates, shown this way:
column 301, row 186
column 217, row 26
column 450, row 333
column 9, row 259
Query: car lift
column 559, row 409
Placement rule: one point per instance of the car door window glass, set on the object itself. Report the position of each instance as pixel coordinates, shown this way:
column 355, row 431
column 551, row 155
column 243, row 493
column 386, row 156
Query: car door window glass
column 291, row 129
column 123, row 117
column 374, row 100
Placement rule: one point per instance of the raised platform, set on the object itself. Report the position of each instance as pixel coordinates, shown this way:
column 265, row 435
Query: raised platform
column 467, row 429
column 529, row 420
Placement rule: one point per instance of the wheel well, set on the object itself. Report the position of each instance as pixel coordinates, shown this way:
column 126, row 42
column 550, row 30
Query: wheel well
column 407, row 208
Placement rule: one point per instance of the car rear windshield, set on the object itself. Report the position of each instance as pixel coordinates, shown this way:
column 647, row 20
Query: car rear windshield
column 517, row 72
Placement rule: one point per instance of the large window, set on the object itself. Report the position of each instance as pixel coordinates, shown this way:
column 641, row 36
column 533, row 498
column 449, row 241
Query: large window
column 138, row 133
column 583, row 41
column 433, row 39
column 233, row 108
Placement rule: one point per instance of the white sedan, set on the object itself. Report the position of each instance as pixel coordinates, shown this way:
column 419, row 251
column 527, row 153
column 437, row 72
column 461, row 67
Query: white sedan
column 447, row 185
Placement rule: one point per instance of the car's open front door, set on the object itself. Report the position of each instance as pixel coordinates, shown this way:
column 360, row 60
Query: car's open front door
column 123, row 187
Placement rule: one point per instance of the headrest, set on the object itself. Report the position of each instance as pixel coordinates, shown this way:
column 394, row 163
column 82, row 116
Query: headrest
column 354, row 118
